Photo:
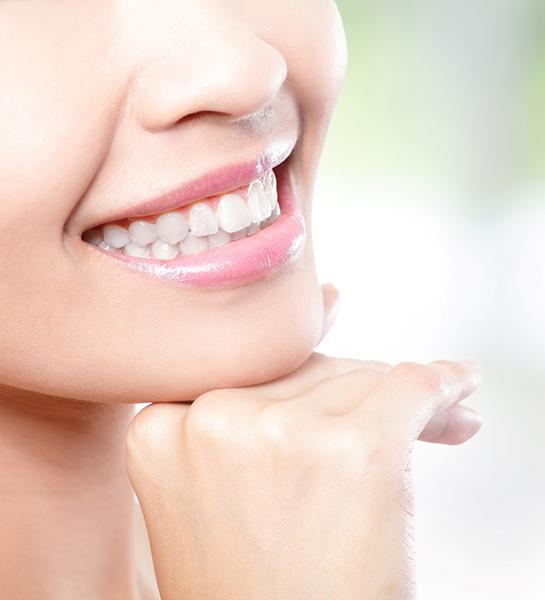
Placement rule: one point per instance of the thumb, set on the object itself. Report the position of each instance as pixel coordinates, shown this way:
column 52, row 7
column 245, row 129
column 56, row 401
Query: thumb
column 331, row 300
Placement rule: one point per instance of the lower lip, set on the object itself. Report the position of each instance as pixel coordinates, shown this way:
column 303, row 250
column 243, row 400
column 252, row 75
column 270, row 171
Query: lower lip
column 237, row 263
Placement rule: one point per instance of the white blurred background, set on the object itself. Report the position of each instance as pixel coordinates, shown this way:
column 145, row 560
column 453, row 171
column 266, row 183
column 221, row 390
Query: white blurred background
column 430, row 218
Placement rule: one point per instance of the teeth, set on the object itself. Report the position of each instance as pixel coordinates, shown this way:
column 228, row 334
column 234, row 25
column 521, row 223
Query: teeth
column 198, row 228
column 274, row 216
column 238, row 235
column 271, row 190
column 202, row 220
column 258, row 203
column 270, row 180
column 133, row 249
column 115, row 236
column 193, row 245
column 253, row 229
column 232, row 213
column 219, row 239
column 162, row 250
column 172, row 227
column 142, row 232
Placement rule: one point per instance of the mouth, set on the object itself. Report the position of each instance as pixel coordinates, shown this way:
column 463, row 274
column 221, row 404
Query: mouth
column 230, row 228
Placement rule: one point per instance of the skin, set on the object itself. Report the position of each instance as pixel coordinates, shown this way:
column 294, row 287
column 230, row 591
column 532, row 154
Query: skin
column 310, row 494
column 64, row 162
column 105, row 104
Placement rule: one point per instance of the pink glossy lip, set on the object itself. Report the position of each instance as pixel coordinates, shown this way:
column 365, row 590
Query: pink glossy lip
column 214, row 183
column 239, row 262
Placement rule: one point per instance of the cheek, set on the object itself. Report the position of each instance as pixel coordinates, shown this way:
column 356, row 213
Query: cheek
column 53, row 137
column 310, row 35
column 52, row 142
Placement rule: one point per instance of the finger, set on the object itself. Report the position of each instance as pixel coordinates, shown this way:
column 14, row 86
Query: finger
column 454, row 426
column 150, row 438
column 412, row 394
column 460, row 380
column 331, row 300
column 316, row 369
column 340, row 394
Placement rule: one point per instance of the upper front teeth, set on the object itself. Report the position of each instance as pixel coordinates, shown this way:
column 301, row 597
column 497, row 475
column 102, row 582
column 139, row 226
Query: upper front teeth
column 233, row 214
column 197, row 228
column 202, row 221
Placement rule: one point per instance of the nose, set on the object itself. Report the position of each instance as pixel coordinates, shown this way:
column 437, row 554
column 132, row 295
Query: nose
column 229, row 70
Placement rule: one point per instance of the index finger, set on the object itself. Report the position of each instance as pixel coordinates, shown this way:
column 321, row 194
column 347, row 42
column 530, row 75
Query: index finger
column 316, row 369
column 412, row 394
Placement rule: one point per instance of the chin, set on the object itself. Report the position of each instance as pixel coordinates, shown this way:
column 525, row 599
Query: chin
column 258, row 335
column 187, row 345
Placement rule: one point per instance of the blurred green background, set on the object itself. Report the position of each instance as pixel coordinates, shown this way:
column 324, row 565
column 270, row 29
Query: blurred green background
column 446, row 90
column 429, row 216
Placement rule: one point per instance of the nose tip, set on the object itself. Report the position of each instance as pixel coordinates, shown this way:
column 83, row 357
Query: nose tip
column 236, row 76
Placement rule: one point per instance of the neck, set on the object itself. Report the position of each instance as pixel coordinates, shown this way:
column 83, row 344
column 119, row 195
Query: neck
column 67, row 512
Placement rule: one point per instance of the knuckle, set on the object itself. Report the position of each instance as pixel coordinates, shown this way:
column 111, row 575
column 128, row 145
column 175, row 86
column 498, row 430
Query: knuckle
column 207, row 416
column 423, row 376
column 279, row 425
column 220, row 415
column 148, row 433
column 355, row 450
column 374, row 457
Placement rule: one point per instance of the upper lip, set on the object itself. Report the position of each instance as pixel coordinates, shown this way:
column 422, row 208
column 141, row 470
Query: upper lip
column 219, row 181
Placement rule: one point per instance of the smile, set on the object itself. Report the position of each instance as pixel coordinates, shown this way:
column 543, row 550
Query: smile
column 223, row 239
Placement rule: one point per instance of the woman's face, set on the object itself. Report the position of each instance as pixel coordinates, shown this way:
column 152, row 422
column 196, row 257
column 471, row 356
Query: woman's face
column 115, row 112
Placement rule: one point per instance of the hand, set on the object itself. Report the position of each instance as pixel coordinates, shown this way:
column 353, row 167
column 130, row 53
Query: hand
column 296, row 489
